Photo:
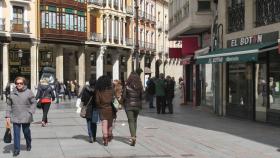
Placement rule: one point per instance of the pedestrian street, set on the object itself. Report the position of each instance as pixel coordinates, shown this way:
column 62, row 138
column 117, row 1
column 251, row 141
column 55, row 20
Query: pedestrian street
column 188, row 133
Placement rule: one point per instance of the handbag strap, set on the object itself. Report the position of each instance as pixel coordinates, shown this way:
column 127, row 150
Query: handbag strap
column 89, row 100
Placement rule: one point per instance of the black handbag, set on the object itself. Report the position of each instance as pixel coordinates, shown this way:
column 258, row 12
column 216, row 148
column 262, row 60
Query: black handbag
column 8, row 136
column 84, row 109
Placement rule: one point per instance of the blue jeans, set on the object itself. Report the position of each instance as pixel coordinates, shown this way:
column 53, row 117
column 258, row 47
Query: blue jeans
column 151, row 100
column 92, row 127
column 26, row 132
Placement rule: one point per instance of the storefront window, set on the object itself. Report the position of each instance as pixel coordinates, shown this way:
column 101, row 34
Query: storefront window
column 206, row 85
column 240, row 85
column 274, row 80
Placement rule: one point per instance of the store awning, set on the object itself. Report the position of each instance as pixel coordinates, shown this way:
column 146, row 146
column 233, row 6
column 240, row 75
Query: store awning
column 236, row 54
column 175, row 52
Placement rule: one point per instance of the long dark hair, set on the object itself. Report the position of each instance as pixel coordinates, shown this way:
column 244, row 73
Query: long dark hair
column 134, row 82
column 103, row 83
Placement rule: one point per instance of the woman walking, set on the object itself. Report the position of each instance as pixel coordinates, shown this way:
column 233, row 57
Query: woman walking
column 132, row 103
column 20, row 110
column 45, row 95
column 104, row 96
column 88, row 98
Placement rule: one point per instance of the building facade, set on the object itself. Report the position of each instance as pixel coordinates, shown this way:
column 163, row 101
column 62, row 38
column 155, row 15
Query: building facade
column 246, row 59
column 190, row 23
column 18, row 41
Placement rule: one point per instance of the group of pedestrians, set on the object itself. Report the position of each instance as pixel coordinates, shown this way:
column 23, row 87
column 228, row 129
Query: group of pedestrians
column 163, row 89
column 99, row 95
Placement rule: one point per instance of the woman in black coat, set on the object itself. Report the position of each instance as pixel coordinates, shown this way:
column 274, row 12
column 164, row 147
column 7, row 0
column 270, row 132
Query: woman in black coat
column 88, row 98
column 46, row 92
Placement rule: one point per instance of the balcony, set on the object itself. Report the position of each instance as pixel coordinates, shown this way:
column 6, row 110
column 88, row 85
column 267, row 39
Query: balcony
column 2, row 24
column 190, row 20
column 22, row 1
column 20, row 28
column 62, row 35
column 96, row 37
column 96, row 2
column 129, row 10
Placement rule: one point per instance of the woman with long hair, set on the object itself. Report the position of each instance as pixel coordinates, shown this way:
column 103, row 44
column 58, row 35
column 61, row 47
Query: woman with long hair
column 46, row 95
column 132, row 96
column 104, row 97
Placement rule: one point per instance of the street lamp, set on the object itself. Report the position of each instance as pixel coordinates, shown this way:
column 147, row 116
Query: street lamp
column 136, row 47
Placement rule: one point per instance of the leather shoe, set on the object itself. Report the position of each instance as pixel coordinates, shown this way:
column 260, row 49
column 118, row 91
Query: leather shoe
column 16, row 153
column 28, row 148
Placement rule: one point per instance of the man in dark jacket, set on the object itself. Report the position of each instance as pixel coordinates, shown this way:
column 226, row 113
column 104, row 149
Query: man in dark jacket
column 169, row 92
column 150, row 92
column 160, row 94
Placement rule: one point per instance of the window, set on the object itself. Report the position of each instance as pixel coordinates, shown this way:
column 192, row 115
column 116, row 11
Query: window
column 204, row 6
column 68, row 19
column 236, row 14
column 274, row 81
column 49, row 17
column 17, row 15
column 80, row 22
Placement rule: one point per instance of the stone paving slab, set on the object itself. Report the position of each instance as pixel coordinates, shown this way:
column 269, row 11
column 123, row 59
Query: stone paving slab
column 188, row 133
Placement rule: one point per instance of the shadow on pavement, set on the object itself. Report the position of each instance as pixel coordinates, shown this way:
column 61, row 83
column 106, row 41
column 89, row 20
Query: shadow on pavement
column 99, row 140
column 9, row 148
column 203, row 117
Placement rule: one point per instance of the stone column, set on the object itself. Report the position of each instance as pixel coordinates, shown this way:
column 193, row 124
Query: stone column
column 120, row 30
column 5, row 62
column 81, row 67
column 116, row 66
column 99, row 61
column 59, row 63
column 34, row 57
column 119, row 5
column 153, row 65
column 107, row 3
column 112, row 4
column 113, row 28
column 129, row 63
column 142, row 66
column 124, row 42
column 124, row 5
column 107, row 28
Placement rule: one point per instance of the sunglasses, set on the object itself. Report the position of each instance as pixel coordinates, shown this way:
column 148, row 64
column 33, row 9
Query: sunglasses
column 19, row 83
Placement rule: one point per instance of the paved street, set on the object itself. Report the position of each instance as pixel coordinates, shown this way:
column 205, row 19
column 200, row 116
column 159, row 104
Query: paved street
column 188, row 133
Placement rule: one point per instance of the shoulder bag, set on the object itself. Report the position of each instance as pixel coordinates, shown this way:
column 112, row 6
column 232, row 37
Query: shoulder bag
column 84, row 109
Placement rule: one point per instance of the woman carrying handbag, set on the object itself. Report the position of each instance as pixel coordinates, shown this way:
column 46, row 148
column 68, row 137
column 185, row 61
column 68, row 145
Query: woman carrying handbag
column 46, row 95
column 20, row 110
column 88, row 100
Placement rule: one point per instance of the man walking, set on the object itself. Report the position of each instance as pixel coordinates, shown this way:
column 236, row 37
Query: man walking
column 160, row 94
column 150, row 92
column 169, row 91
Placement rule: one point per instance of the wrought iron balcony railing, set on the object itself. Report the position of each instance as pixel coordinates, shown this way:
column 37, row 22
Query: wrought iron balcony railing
column 20, row 27
column 2, row 24
column 267, row 12
column 96, row 37
column 141, row 14
column 96, row 2
column 236, row 17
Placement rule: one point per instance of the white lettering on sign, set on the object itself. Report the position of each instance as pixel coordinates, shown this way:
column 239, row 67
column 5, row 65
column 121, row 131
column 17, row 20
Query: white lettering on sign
column 233, row 43
column 229, row 59
column 217, row 60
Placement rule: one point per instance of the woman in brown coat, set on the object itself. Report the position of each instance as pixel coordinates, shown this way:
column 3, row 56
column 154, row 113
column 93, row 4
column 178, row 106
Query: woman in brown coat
column 104, row 97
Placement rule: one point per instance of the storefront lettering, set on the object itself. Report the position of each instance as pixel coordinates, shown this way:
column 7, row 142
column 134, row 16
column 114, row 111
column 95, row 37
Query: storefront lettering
column 246, row 40
column 229, row 59
column 217, row 60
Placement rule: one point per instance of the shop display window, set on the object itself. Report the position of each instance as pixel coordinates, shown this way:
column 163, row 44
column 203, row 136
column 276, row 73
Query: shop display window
column 274, row 81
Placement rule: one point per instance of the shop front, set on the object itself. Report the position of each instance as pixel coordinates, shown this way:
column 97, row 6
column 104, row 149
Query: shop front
column 252, row 77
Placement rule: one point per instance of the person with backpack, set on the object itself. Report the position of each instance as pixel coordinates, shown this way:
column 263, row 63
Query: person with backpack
column 150, row 91
column 45, row 95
